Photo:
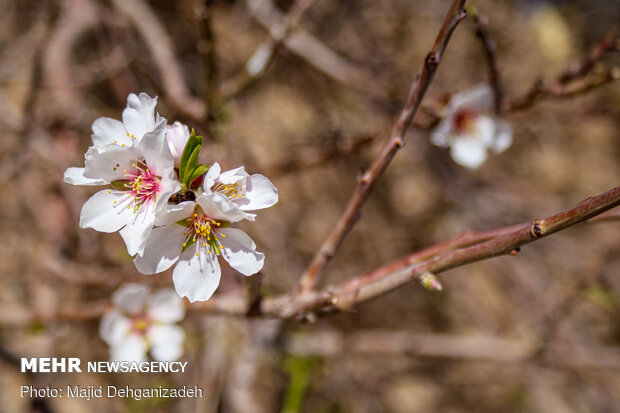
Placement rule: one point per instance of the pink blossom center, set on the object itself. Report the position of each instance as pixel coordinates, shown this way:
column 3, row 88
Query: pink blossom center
column 202, row 229
column 140, row 323
column 143, row 184
column 463, row 120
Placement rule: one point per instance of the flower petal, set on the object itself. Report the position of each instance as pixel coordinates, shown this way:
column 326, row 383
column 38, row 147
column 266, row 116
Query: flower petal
column 196, row 276
column 131, row 297
column 217, row 206
column 132, row 348
column 503, row 136
column 212, row 174
column 165, row 306
column 162, row 249
column 106, row 211
column 107, row 131
column 138, row 229
column 260, row 193
column 108, row 163
column 114, row 327
column 469, row 152
column 479, row 97
column 75, row 176
column 166, row 342
column 174, row 213
column 442, row 134
column 233, row 176
column 240, row 251
column 154, row 149
column 139, row 116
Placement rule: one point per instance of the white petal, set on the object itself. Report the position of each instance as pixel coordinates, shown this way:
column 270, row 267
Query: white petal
column 233, row 176
column 174, row 213
column 107, row 131
column 503, row 136
column 165, row 306
column 138, row 229
column 469, row 152
column 168, row 186
column 442, row 134
column 196, row 277
column 155, row 151
column 75, row 176
column 108, row 163
column 166, row 342
column 106, row 211
column 162, row 250
column 212, row 174
column 260, row 193
column 139, row 116
column 240, row 251
column 479, row 98
column 132, row 348
column 131, row 298
column 177, row 136
column 217, row 206
column 483, row 128
column 114, row 327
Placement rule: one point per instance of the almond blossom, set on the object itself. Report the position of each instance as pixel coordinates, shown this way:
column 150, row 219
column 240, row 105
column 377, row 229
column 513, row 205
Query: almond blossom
column 143, row 179
column 470, row 129
column 248, row 192
column 193, row 234
column 177, row 136
column 142, row 321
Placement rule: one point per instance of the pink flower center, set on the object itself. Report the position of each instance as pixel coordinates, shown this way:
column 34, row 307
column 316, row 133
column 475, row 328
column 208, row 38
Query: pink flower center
column 143, row 184
column 463, row 120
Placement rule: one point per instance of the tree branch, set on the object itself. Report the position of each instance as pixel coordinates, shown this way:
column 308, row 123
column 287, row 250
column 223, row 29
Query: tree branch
column 396, row 140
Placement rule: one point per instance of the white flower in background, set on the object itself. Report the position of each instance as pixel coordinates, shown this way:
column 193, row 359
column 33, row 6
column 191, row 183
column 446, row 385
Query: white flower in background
column 141, row 321
column 143, row 179
column 177, row 136
column 470, row 129
column 248, row 192
column 139, row 118
column 194, row 234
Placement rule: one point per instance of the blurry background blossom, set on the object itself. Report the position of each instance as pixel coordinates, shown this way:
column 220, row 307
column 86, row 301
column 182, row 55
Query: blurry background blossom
column 142, row 322
column 531, row 333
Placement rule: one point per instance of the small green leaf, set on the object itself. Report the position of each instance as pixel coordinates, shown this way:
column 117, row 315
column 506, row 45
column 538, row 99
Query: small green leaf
column 200, row 170
column 192, row 163
column 193, row 142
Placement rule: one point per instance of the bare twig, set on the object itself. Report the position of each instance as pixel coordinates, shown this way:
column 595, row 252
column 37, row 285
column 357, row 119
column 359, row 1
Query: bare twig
column 396, row 140
column 573, row 79
column 160, row 46
column 489, row 51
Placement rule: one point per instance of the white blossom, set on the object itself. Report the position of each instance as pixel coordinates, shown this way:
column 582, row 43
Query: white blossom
column 470, row 129
column 142, row 321
column 177, row 136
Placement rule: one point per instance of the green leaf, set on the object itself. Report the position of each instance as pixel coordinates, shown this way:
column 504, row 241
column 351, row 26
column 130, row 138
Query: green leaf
column 193, row 142
column 192, row 164
column 200, row 170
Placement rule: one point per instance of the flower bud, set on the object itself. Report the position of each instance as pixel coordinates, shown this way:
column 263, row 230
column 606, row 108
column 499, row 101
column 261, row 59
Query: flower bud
column 177, row 135
column 430, row 282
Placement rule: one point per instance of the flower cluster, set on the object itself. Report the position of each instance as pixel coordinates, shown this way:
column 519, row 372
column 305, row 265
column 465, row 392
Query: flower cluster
column 470, row 129
column 168, row 208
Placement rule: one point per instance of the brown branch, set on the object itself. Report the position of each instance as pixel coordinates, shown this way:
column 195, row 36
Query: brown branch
column 396, row 140
column 572, row 81
column 489, row 50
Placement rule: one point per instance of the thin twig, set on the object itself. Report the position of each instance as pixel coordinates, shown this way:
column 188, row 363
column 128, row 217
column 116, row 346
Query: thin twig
column 396, row 140
column 489, row 51
column 573, row 79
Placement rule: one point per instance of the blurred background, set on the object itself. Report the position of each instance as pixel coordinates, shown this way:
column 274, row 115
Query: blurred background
column 539, row 332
